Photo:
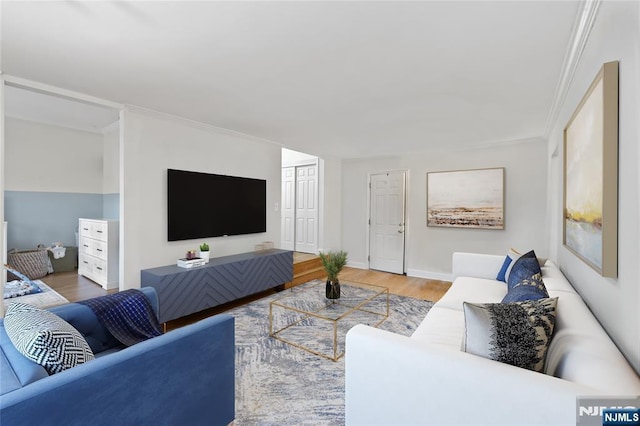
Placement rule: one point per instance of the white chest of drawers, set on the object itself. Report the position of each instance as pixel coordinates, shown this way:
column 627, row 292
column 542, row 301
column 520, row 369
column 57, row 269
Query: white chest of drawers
column 98, row 251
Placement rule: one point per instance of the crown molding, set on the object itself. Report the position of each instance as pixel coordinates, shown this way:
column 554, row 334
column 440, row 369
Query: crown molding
column 579, row 36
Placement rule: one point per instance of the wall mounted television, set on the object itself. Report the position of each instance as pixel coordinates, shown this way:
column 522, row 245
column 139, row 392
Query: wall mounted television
column 202, row 205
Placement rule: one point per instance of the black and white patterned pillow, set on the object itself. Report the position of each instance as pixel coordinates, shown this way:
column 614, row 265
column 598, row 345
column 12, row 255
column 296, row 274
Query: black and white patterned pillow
column 514, row 333
column 45, row 338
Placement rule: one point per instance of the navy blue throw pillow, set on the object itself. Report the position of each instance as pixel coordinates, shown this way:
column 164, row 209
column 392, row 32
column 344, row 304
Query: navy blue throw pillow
column 530, row 289
column 511, row 256
column 524, row 268
column 503, row 270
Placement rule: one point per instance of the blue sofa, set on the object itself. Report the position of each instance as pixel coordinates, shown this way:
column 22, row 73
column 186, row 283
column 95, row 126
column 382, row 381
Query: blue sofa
column 186, row 377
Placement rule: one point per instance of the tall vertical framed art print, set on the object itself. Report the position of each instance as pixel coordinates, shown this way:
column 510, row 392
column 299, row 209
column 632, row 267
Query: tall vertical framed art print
column 590, row 222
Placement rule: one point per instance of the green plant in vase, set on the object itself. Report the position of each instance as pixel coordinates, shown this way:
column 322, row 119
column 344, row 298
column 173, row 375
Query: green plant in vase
column 333, row 262
column 204, row 252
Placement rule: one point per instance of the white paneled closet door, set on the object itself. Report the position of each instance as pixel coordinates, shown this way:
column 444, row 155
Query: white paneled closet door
column 288, row 213
column 307, row 209
column 299, row 230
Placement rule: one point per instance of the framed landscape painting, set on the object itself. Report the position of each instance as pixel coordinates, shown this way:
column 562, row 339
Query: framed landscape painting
column 590, row 222
column 466, row 198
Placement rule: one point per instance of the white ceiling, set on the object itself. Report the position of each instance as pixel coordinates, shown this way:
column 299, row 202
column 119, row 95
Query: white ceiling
column 45, row 108
column 344, row 78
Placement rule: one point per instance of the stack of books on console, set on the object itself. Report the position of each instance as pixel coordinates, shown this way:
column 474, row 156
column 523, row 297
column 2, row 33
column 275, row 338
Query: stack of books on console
column 191, row 263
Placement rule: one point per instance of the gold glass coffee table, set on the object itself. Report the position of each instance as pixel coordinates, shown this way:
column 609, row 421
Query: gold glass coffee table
column 305, row 318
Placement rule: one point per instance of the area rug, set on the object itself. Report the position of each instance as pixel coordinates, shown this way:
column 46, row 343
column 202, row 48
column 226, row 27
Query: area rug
column 279, row 384
column 48, row 298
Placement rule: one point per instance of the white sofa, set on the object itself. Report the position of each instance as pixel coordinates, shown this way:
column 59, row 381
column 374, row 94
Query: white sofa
column 427, row 379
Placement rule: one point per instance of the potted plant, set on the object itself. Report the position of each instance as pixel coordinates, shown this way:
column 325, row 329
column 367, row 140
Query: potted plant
column 333, row 262
column 204, row 252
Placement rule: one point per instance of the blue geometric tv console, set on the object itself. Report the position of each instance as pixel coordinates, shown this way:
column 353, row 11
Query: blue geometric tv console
column 186, row 291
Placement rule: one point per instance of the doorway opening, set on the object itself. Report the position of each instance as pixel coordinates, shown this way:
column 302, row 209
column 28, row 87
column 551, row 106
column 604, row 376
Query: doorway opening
column 62, row 163
column 300, row 199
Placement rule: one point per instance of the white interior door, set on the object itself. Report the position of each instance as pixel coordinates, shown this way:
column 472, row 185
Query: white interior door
column 288, row 212
column 387, row 222
column 299, row 212
column 306, row 232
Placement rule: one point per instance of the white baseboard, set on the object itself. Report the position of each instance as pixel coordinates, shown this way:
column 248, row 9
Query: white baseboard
column 418, row 273
column 357, row 265
column 428, row 275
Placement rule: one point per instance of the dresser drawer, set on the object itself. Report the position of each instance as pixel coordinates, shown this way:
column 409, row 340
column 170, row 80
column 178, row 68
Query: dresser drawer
column 96, row 230
column 85, row 229
column 95, row 248
column 99, row 231
column 85, row 265
column 86, row 246
column 100, row 269
column 99, row 249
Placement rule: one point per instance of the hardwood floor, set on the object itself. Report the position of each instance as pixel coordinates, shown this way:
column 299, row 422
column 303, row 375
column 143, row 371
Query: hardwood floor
column 73, row 286
column 76, row 287
column 418, row 288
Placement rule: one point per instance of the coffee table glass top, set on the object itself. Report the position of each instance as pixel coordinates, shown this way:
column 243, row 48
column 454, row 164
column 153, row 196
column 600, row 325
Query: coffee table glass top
column 305, row 318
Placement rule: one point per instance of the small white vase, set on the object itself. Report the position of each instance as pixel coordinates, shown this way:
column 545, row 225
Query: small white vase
column 204, row 255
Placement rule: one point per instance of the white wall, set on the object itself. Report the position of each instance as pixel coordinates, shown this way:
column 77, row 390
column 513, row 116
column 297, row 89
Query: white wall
column 111, row 162
column 45, row 158
column 53, row 177
column 111, row 173
column 615, row 36
column 152, row 144
column 330, row 232
column 429, row 249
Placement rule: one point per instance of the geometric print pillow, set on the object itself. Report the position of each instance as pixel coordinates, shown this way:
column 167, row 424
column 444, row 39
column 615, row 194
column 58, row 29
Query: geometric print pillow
column 528, row 289
column 509, row 260
column 525, row 280
column 45, row 338
column 524, row 268
column 514, row 333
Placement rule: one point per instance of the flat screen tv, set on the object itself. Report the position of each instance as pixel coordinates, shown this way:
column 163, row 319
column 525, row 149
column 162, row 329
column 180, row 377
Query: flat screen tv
column 202, row 205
